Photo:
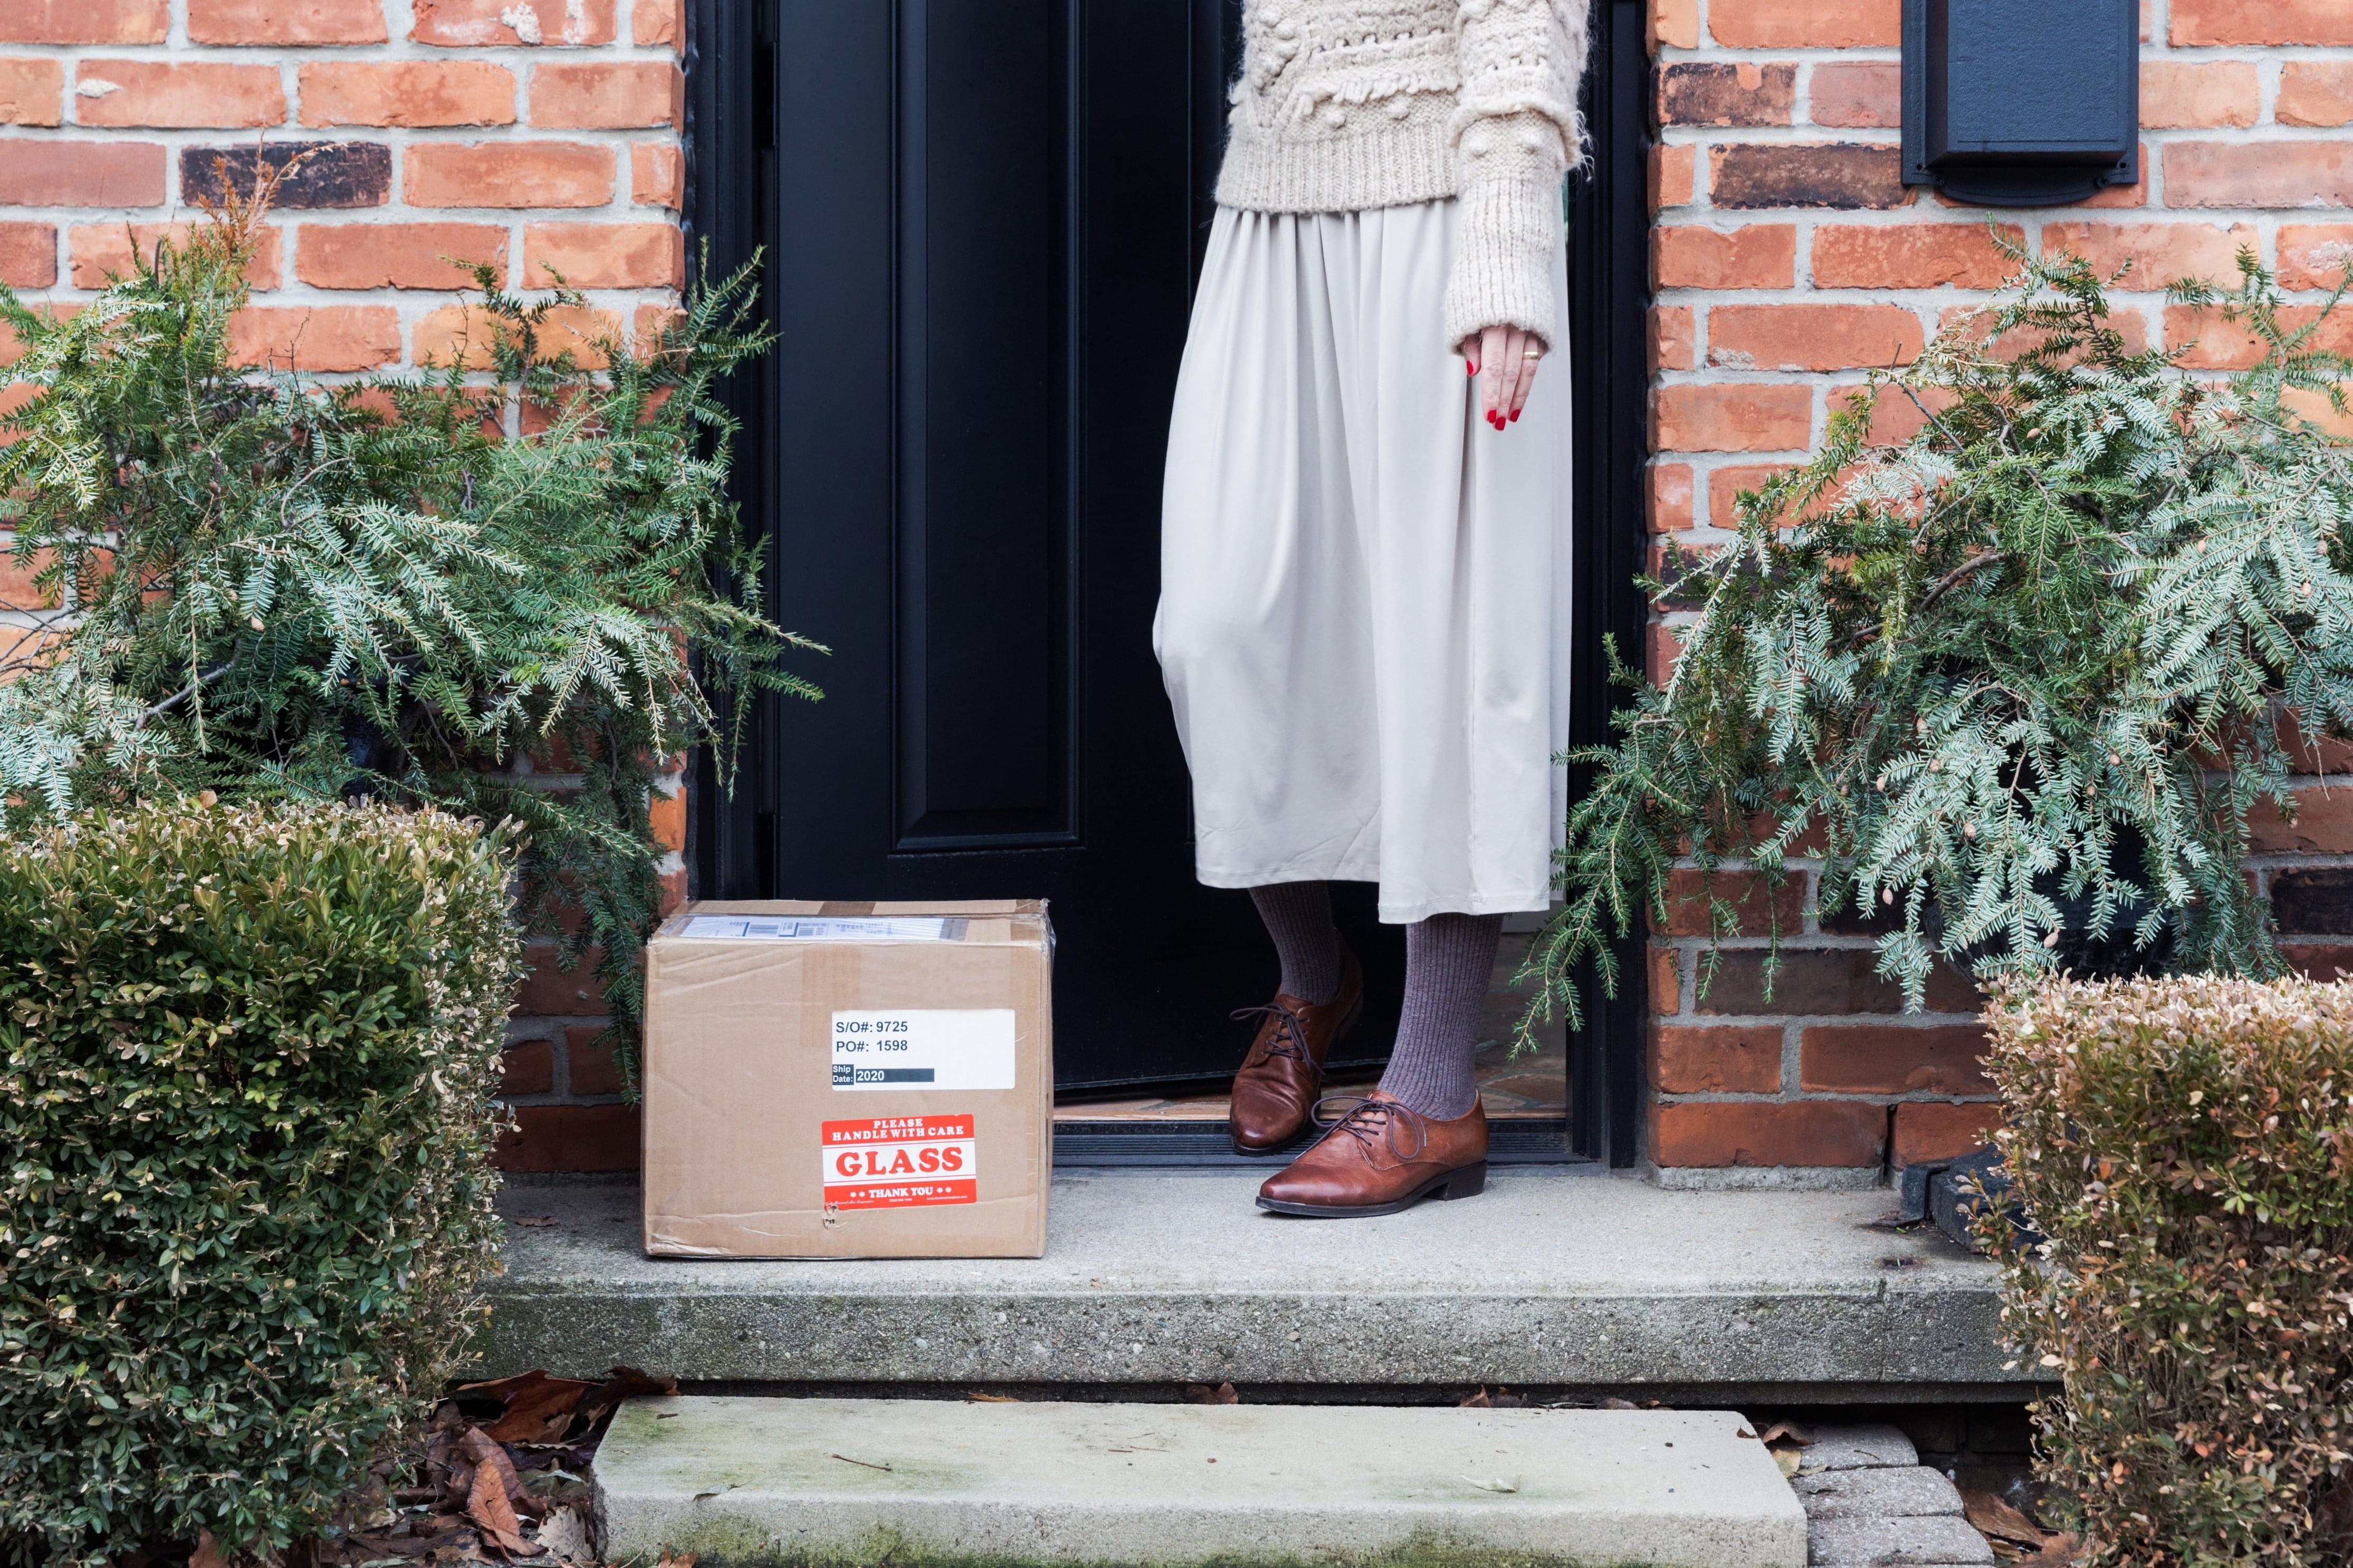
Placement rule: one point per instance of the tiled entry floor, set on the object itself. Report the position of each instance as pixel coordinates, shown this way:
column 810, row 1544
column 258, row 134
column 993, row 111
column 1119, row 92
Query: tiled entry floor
column 1529, row 1088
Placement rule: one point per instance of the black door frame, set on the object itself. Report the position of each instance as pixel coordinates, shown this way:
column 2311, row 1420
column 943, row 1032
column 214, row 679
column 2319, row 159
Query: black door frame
column 730, row 146
column 1610, row 271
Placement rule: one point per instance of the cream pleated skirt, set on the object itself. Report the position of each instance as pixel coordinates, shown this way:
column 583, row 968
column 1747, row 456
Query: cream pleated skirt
column 1363, row 611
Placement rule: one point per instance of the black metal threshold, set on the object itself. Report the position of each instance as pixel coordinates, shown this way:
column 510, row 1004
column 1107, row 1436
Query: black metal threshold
column 1209, row 1143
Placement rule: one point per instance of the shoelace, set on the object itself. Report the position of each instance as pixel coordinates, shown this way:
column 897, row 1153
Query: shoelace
column 1290, row 1032
column 1369, row 1118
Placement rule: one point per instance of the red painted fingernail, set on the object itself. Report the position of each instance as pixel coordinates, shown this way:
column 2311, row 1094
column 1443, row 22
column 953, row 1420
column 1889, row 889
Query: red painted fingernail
column 1473, row 367
column 1515, row 415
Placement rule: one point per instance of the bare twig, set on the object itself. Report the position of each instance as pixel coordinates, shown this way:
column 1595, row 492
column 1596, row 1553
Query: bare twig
column 182, row 695
column 1945, row 583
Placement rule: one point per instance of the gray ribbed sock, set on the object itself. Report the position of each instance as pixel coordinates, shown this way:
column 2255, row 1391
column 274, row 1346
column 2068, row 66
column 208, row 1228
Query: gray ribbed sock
column 1448, row 961
column 1298, row 915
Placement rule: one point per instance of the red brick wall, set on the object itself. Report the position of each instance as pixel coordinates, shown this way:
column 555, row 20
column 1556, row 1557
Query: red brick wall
column 534, row 135
column 1787, row 259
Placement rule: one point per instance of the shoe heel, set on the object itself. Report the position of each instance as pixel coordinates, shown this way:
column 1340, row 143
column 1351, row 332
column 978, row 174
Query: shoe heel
column 1467, row 1183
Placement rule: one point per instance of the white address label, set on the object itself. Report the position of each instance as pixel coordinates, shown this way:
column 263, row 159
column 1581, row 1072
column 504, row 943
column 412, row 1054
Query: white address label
column 926, row 1048
column 818, row 928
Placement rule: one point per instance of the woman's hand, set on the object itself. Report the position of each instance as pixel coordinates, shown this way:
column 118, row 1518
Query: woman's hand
column 1504, row 360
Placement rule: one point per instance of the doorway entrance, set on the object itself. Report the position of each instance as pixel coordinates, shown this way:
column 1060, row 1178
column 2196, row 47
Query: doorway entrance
column 981, row 221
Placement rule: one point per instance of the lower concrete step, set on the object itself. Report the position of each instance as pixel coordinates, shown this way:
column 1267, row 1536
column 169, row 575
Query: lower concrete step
column 741, row 1481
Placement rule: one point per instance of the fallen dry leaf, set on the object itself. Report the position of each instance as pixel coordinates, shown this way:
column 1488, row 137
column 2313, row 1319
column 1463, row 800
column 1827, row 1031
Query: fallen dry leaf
column 685, row 1560
column 1202, row 1394
column 1501, row 1399
column 494, row 1516
column 1613, row 1403
column 485, row 1454
column 994, row 1398
column 1998, row 1521
column 1787, row 1458
column 2058, row 1552
column 207, row 1553
column 536, row 1221
column 533, row 1406
column 1791, row 1431
column 621, row 1382
column 503, row 1389
column 565, row 1531
column 542, row 1415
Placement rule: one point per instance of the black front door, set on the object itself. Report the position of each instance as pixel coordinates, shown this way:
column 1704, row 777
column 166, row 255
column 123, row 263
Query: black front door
column 982, row 220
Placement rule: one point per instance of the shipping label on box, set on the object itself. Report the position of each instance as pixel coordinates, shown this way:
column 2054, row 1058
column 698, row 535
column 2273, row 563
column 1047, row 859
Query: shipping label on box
column 891, row 1161
column 923, row 1048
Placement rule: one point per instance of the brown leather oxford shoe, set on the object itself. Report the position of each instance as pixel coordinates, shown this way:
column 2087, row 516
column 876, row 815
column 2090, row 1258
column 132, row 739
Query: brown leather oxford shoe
column 1379, row 1158
column 1284, row 1074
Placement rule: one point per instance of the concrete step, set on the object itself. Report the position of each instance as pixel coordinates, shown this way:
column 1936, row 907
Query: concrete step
column 741, row 1481
column 1588, row 1282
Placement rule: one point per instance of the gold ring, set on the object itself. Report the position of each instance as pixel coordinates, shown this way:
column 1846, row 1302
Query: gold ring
column 1531, row 353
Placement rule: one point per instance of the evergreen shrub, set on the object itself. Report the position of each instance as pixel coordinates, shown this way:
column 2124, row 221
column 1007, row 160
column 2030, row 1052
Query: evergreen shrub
column 2186, row 1145
column 511, row 587
column 246, row 1062
column 2017, row 681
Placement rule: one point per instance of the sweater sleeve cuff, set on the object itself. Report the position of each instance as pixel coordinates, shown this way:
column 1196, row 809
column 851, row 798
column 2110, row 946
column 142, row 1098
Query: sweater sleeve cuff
column 1508, row 235
column 1510, row 164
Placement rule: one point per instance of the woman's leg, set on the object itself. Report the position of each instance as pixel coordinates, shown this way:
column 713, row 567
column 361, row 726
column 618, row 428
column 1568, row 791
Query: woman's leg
column 1298, row 916
column 1449, row 960
column 1320, row 993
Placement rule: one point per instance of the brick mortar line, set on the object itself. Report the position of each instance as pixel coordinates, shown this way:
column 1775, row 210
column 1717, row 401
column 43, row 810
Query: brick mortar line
column 351, row 55
column 242, row 136
column 1730, row 220
column 1819, row 1096
column 412, row 303
column 1822, row 1020
column 398, row 51
column 2152, row 51
column 1938, row 297
column 1889, row 138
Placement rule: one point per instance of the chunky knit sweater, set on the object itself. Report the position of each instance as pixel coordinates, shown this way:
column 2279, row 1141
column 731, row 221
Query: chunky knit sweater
column 1348, row 104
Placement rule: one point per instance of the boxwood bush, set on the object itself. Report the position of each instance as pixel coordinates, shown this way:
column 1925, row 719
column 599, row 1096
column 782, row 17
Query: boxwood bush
column 2187, row 1147
column 246, row 1062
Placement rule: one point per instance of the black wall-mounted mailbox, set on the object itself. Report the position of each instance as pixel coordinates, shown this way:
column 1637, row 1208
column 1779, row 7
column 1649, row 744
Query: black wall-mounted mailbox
column 2018, row 103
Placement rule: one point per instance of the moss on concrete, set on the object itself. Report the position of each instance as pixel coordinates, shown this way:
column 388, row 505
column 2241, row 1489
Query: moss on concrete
column 732, row 1541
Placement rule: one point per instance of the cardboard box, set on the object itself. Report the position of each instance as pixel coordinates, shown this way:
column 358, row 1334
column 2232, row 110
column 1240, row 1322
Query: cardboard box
column 849, row 1080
